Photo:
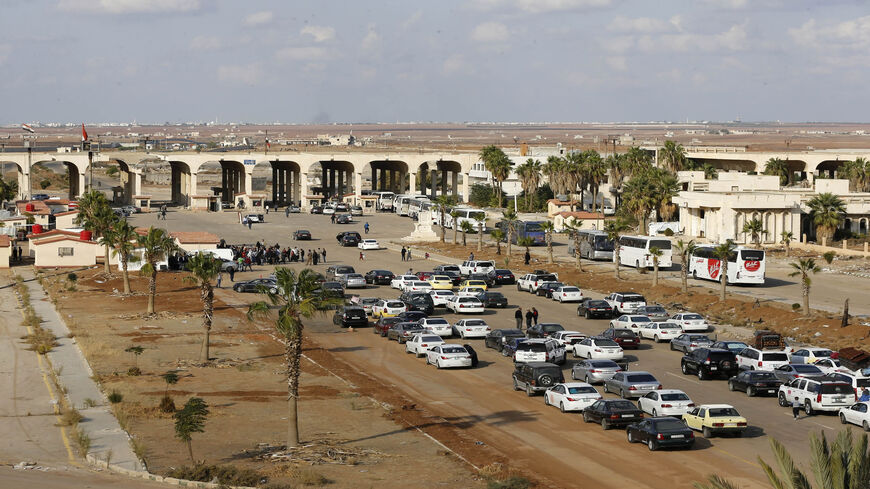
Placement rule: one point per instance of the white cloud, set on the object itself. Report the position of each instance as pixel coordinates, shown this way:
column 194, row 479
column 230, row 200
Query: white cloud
column 372, row 39
column 540, row 6
column 413, row 19
column 319, row 33
column 734, row 39
column 851, row 34
column 303, row 53
column 131, row 6
column 646, row 25
column 259, row 18
column 205, row 43
column 240, row 74
column 490, row 32
column 618, row 63
column 5, row 51
column 453, row 64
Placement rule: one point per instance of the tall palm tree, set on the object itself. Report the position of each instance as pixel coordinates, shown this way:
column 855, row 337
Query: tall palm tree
column 596, row 170
column 497, row 235
column 481, row 227
column 443, row 201
column 804, row 267
column 614, row 229
column 101, row 224
column 554, row 170
column 548, row 228
column 454, row 214
column 576, row 176
column 124, row 242
column 786, row 238
column 685, row 251
column 573, row 226
column 778, row 167
column 466, row 227
column 754, row 228
column 655, row 252
column 498, row 165
column 666, row 186
column 529, row 174
column 298, row 297
column 828, row 213
column 723, row 252
column 672, row 156
column 511, row 217
column 858, row 174
column 640, row 198
column 204, row 268
column 156, row 244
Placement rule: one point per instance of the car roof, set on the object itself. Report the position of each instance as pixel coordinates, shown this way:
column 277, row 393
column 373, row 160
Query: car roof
column 709, row 406
column 541, row 364
column 637, row 372
column 575, row 384
column 670, row 391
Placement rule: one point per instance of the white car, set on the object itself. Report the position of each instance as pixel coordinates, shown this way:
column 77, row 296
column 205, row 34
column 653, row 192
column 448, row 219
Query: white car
column 438, row 326
column 448, row 355
column 858, row 413
column 440, row 297
column 666, row 402
column 568, row 293
column 399, row 281
column 828, row 365
column 417, row 286
column 385, row 309
column 420, row 343
column 568, row 338
column 754, row 359
column 328, row 209
column 660, row 331
column 471, row 328
column 369, row 244
column 598, row 348
column 470, row 291
column 810, row 355
column 571, row 396
column 690, row 322
column 465, row 305
column 628, row 321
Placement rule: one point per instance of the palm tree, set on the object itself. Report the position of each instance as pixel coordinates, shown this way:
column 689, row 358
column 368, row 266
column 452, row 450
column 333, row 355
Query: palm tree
column 576, row 176
column 596, row 170
column 443, row 201
column 204, row 268
column 481, row 226
column 526, row 243
column 498, row 235
column 685, row 251
column 547, row 227
column 573, row 226
column 804, row 267
column 510, row 216
column 498, row 165
column 97, row 216
column 779, row 167
column 655, row 252
column 754, row 228
column 298, row 297
column 124, row 242
column 639, row 198
column 554, row 170
column 858, row 174
column 466, row 227
column 787, row 238
column 723, row 252
column 828, row 212
column 614, row 230
column 156, row 245
column 672, row 156
column 529, row 174
column 666, row 186
column 715, row 482
column 454, row 214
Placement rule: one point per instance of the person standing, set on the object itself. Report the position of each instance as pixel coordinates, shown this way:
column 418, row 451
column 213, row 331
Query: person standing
column 409, row 253
column 473, row 354
column 366, row 227
column 250, row 223
column 362, row 256
column 527, row 257
column 220, row 278
column 471, row 256
column 535, row 315
column 287, row 211
column 323, row 254
column 332, row 218
column 529, row 317
column 302, row 255
column 519, row 317
column 403, row 253
column 865, row 396
column 796, row 408
column 232, row 272
column 316, row 257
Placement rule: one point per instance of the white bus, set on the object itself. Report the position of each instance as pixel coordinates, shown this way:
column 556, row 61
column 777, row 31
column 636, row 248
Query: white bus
column 385, row 201
column 594, row 245
column 416, row 205
column 466, row 214
column 634, row 251
column 402, row 203
column 745, row 265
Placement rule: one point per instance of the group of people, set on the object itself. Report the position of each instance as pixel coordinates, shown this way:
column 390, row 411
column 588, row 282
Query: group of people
column 406, row 253
column 16, row 253
column 161, row 214
column 531, row 317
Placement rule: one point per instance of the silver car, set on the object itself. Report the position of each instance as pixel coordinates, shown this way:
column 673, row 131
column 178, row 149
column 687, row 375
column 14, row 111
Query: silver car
column 688, row 342
column 631, row 384
column 656, row 313
column 353, row 281
column 594, row 371
column 367, row 303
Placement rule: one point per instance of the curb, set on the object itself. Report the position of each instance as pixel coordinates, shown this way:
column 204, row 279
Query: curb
column 141, row 474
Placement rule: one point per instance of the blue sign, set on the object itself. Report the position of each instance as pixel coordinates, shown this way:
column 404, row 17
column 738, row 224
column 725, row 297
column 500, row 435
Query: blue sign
column 250, row 162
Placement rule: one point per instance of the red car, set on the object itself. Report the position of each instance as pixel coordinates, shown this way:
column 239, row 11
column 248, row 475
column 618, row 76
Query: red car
column 623, row 337
column 383, row 325
column 425, row 275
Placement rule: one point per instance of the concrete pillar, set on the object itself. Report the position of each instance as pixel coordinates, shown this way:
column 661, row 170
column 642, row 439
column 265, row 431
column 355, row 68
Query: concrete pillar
column 433, row 179
column 340, row 187
column 193, row 184
column 332, row 189
column 374, row 179
column 302, row 183
column 465, row 186
column 275, row 183
column 357, row 188
column 443, row 182
column 412, row 182
column 323, row 179
column 224, row 192
column 247, row 180
column 455, row 184
column 298, row 179
column 137, row 183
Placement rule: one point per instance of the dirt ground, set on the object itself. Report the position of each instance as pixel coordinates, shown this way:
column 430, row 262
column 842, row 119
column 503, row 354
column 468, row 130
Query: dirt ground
column 360, row 434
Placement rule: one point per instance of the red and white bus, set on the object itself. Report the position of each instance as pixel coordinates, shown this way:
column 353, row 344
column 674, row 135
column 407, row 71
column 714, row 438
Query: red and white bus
column 745, row 265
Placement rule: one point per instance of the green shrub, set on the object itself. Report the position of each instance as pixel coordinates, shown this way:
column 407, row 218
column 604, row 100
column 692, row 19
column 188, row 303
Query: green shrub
column 225, row 474
column 511, row 483
column 668, row 232
column 829, row 256
column 115, row 397
column 795, row 306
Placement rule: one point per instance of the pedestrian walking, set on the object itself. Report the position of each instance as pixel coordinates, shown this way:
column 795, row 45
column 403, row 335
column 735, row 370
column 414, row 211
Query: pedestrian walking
column 527, row 257
column 865, row 396
column 796, row 408
column 403, row 253
column 519, row 317
column 535, row 315
column 362, row 256
column 220, row 278
column 366, row 227
column 529, row 316
column 473, row 354
column 409, row 253
column 232, row 272
column 287, row 211
column 471, row 256
column 333, row 218
column 323, row 254
column 267, row 209
column 427, row 255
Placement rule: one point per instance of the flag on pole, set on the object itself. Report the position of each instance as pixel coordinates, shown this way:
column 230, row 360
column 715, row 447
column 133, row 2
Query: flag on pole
column 84, row 133
column 27, row 128
column 268, row 144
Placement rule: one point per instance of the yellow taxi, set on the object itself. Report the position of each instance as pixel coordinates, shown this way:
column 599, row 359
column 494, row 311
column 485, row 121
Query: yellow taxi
column 473, row 283
column 441, row 282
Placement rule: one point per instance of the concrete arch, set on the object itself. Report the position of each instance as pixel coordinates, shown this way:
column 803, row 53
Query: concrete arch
column 127, row 188
column 387, row 175
column 183, row 183
column 731, row 164
column 828, row 167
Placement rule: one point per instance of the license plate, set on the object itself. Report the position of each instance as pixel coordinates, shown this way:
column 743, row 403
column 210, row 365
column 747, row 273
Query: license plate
column 839, row 399
column 627, row 415
column 646, row 387
column 678, row 436
column 714, row 368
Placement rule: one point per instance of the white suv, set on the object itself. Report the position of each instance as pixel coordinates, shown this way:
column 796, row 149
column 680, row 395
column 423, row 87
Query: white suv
column 755, row 359
column 625, row 302
column 540, row 350
column 476, row 266
column 817, row 394
column 531, row 281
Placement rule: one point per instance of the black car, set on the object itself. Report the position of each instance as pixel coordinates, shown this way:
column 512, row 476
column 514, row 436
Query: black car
column 350, row 316
column 481, row 276
column 379, row 277
column 493, row 299
column 612, row 412
column 546, row 289
column 412, row 316
column 709, row 362
column 594, row 308
column 446, row 268
column 498, row 338
column 543, row 330
column 343, row 219
column 256, row 284
column 502, row 276
column 623, row 337
column 662, row 432
column 534, row 377
column 731, row 345
column 418, row 301
column 301, row 234
column 455, row 277
column 316, row 209
column 332, row 289
column 348, row 238
column 403, row 331
column 755, row 382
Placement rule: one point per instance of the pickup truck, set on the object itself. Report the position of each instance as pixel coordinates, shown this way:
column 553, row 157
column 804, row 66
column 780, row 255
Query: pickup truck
column 531, row 281
column 476, row 266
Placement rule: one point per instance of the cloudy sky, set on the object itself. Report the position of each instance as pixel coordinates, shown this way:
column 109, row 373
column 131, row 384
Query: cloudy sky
column 446, row 60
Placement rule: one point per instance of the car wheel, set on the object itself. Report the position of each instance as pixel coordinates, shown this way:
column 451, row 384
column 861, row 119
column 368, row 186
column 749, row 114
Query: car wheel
column 750, row 391
column 706, row 432
column 630, row 438
column 731, row 386
column 656, row 338
column 438, row 364
column 546, row 399
column 672, row 347
column 586, row 417
column 622, row 393
column 701, row 374
column 655, row 413
column 651, row 445
column 684, row 368
column 808, row 408
column 516, row 386
column 586, row 378
column 562, row 407
column 587, row 315
column 842, row 418
column 782, row 401
column 604, row 424
column 606, row 390
column 865, row 426
column 529, row 391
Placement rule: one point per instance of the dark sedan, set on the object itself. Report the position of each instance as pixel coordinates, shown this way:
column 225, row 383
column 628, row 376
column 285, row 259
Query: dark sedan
column 383, row 325
column 498, row 338
column 482, row 276
column 623, row 337
column 663, row 432
column 755, row 382
column 412, row 316
column 493, row 299
column 333, row 289
column 544, row 330
column 402, row 332
column 301, row 234
column 343, row 219
column 502, row 276
column 317, row 209
column 546, row 289
column 612, row 412
column 379, row 277
column 594, row 308
column 350, row 316
column 256, row 284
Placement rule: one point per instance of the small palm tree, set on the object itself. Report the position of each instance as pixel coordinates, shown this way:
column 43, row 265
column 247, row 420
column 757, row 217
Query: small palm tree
column 655, row 252
column 204, row 268
column 723, row 252
column 497, row 236
column 685, row 251
column 828, row 213
column 136, row 350
column 156, row 245
column 573, row 226
column 510, row 216
column 804, row 267
column 754, row 228
column 124, row 237
column 167, row 405
column 548, row 228
column 466, row 227
column 614, row 230
column 786, row 239
column 443, row 201
column 526, row 243
column 778, row 167
column 101, row 222
column 481, row 226
column 455, row 214
column 189, row 420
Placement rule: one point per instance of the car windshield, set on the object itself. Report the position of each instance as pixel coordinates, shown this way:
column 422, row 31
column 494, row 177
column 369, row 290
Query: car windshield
column 623, row 333
column 395, row 304
column 774, row 357
column 640, row 378
column 582, row 390
column 698, row 337
column 453, row 349
column 501, row 271
column 668, row 326
column 603, row 364
column 840, row 389
column 806, row 369
column 633, row 298
column 597, row 304
column 475, row 322
column 822, row 353
column 436, row 321
column 762, row 376
column 431, row 339
column 494, row 295
column 721, row 412
column 668, row 425
column 532, row 347
column 692, row 317
column 512, row 332
column 620, row 404
column 551, row 327
column 605, row 343
column 440, row 277
column 570, row 289
column 718, row 356
column 656, row 310
column 676, row 396
column 640, row 319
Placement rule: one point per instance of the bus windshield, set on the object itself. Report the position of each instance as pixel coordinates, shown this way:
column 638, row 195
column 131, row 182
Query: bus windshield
column 533, row 227
column 662, row 244
column 603, row 244
column 757, row 255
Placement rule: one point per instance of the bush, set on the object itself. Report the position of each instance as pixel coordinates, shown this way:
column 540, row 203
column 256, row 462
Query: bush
column 795, row 307
column 134, row 372
column 482, row 195
column 829, row 256
column 225, row 474
column 668, row 232
column 167, row 405
column 308, row 477
column 72, row 277
column 511, row 483
column 115, row 397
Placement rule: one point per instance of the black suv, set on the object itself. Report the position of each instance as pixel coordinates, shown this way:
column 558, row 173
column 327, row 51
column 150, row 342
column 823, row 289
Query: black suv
column 493, row 299
column 709, row 362
column 546, row 289
column 543, row 330
column 594, row 308
column 418, row 301
column 350, row 316
column 502, row 276
column 536, row 377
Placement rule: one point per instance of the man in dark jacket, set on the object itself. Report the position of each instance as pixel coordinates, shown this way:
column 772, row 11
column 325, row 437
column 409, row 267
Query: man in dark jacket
column 527, row 257
column 473, row 355
column 529, row 317
column 519, row 317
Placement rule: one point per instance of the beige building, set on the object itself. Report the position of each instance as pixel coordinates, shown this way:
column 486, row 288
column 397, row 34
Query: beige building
column 65, row 220
column 588, row 220
column 64, row 251
column 5, row 250
column 191, row 241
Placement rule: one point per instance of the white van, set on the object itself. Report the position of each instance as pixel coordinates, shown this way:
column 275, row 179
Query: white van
column 135, row 262
column 221, row 253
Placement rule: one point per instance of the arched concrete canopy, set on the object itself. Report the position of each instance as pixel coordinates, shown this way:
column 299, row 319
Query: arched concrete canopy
column 731, row 164
column 829, row 167
column 387, row 175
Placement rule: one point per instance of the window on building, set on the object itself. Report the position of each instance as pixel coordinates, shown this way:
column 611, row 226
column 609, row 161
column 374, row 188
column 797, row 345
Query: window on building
column 65, row 251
